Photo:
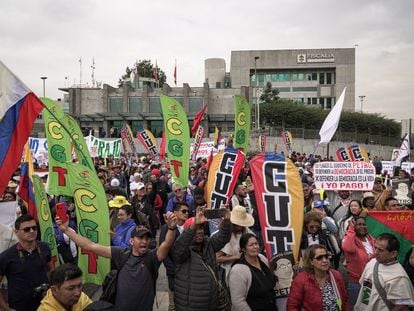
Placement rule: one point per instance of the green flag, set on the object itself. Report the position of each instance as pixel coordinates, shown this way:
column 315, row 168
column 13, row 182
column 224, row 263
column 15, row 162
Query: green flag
column 45, row 218
column 93, row 219
column 177, row 139
column 242, row 123
column 59, row 147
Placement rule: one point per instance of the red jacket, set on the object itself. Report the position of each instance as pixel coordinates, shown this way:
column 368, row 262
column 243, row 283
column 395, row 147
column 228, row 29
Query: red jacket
column 305, row 293
column 355, row 254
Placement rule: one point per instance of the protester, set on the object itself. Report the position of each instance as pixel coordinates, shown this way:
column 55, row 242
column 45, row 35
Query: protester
column 65, row 292
column 354, row 209
column 409, row 264
column 251, row 282
column 384, row 281
column 391, row 204
column 180, row 195
column 318, row 287
column 196, row 278
column 380, row 193
column 135, row 285
column 358, row 247
column 241, row 198
column 368, row 201
column 122, row 234
column 26, row 266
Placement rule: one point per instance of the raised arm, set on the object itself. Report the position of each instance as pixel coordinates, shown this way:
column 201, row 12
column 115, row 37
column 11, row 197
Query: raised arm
column 164, row 248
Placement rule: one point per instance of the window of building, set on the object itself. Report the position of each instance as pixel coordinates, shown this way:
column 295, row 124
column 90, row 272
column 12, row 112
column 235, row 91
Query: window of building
column 268, row 77
column 180, row 99
column 321, row 78
column 195, row 104
column 135, row 104
column 252, row 80
column 322, row 102
column 309, row 101
column 154, row 104
column 328, row 78
column 328, row 103
column 115, row 104
column 136, row 125
column 312, row 76
column 301, row 77
column 156, row 127
column 294, row 77
column 260, row 79
column 274, row 77
column 314, row 101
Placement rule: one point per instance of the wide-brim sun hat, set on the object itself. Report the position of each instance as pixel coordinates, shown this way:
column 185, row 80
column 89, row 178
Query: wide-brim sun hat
column 118, row 201
column 240, row 217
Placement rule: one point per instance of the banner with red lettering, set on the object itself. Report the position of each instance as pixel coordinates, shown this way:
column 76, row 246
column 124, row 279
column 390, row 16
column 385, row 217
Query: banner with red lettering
column 344, row 175
column 197, row 142
column 128, row 140
column 148, row 140
column 280, row 201
column 342, row 155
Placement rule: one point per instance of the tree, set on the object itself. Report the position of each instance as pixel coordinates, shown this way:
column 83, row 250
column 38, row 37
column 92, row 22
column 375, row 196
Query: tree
column 269, row 94
column 144, row 68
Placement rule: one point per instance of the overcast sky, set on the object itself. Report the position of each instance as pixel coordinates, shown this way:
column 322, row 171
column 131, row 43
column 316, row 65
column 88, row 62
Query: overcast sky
column 47, row 38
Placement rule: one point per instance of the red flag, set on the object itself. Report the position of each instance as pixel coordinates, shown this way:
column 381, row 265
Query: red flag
column 162, row 148
column 197, row 120
column 210, row 159
column 175, row 73
column 155, row 72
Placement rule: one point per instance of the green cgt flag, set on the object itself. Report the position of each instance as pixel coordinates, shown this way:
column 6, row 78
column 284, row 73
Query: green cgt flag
column 177, row 139
column 242, row 123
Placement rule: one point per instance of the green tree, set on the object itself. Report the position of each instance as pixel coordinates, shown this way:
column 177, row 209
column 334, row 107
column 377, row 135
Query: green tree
column 269, row 95
column 144, row 68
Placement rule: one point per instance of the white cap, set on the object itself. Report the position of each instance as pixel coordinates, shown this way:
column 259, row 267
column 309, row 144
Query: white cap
column 133, row 186
column 140, row 185
column 137, row 174
column 115, row 182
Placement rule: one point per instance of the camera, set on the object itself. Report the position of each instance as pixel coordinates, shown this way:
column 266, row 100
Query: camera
column 40, row 291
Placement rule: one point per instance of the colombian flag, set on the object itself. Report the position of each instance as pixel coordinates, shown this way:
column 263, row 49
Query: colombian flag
column 26, row 183
column 19, row 108
column 398, row 223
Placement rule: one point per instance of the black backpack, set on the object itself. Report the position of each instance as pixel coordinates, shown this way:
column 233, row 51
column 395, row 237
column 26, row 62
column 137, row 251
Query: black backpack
column 109, row 284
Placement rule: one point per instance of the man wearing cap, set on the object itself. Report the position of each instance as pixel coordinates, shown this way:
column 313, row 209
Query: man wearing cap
column 135, row 284
column 241, row 221
column 241, row 198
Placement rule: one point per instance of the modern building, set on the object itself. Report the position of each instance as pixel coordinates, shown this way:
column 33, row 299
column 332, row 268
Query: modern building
column 313, row 77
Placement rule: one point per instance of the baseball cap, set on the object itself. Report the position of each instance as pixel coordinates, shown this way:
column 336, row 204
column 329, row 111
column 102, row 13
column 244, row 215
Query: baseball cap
column 140, row 231
column 115, row 182
column 156, row 172
column 140, row 185
column 137, row 174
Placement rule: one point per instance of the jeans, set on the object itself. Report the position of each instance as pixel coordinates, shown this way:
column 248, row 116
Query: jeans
column 353, row 291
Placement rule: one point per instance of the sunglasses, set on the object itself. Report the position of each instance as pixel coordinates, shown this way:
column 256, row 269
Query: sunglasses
column 178, row 190
column 28, row 229
column 184, row 211
column 320, row 257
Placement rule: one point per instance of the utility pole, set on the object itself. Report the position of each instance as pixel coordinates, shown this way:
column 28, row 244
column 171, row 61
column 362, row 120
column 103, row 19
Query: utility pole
column 44, row 85
column 361, row 98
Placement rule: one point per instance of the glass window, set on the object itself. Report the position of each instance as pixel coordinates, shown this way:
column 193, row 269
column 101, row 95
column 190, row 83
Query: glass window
column 322, row 102
column 252, row 80
column 314, row 76
column 156, row 127
column 309, row 101
column 321, row 78
column 195, row 104
column 282, row 77
column 328, row 78
column 274, row 77
column 314, row 100
column 260, row 77
column 301, row 76
column 115, row 104
column 136, row 125
column 135, row 104
column 294, row 76
column 328, row 103
column 154, row 104
column 268, row 77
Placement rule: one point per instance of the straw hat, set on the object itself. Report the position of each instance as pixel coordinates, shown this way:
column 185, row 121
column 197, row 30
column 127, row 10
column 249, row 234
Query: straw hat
column 240, row 217
column 118, row 201
column 367, row 195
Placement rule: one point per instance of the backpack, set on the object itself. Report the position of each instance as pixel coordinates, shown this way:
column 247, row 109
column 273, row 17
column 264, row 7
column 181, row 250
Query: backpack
column 109, row 284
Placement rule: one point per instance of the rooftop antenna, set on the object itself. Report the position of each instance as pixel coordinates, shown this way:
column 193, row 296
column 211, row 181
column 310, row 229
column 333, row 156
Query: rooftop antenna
column 93, row 72
column 80, row 72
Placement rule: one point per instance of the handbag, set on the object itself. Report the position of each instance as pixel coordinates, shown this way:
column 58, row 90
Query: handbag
column 223, row 292
column 380, row 289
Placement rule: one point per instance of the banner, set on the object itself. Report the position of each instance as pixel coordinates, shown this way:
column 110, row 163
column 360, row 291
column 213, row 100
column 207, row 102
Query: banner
column 148, row 140
column 402, row 191
column 38, row 147
column 177, row 139
column 45, row 218
column 342, row 155
column 288, row 140
column 280, row 201
column 357, row 153
column 93, row 219
column 128, row 139
column 242, row 123
column 104, row 148
column 398, row 223
column 404, row 150
column 222, row 178
column 358, row 176
column 25, row 190
column 197, row 142
column 262, row 142
column 59, row 147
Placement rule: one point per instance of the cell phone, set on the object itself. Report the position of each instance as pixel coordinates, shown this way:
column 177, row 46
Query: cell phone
column 214, row 213
column 61, row 212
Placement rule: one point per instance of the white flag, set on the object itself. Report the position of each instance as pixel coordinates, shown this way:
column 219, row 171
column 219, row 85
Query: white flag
column 404, row 150
column 331, row 122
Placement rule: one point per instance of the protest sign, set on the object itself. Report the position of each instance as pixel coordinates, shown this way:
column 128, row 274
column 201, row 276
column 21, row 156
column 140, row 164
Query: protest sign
column 344, row 175
column 104, row 148
column 401, row 191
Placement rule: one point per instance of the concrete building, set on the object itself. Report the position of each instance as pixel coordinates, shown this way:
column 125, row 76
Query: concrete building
column 312, row 77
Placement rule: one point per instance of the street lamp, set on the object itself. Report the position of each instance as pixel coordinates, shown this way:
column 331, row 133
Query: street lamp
column 257, row 88
column 361, row 98
column 44, row 82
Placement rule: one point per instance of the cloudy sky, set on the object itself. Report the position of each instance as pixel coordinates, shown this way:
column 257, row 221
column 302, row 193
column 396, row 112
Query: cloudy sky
column 47, row 38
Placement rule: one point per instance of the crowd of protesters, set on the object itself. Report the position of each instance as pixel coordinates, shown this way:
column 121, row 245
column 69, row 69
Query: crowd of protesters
column 339, row 265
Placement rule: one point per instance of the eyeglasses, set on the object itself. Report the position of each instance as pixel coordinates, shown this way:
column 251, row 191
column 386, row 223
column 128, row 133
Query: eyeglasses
column 184, row 211
column 28, row 229
column 314, row 227
column 320, row 257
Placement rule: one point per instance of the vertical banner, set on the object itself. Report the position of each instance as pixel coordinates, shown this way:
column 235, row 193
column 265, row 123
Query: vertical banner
column 343, row 155
column 262, row 142
column 128, row 139
column 197, row 142
column 279, row 197
column 222, row 178
column 59, row 147
column 242, row 123
column 357, row 153
column 288, row 140
column 93, row 219
column 177, row 139
column 25, row 190
column 45, row 218
column 162, row 147
column 148, row 140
